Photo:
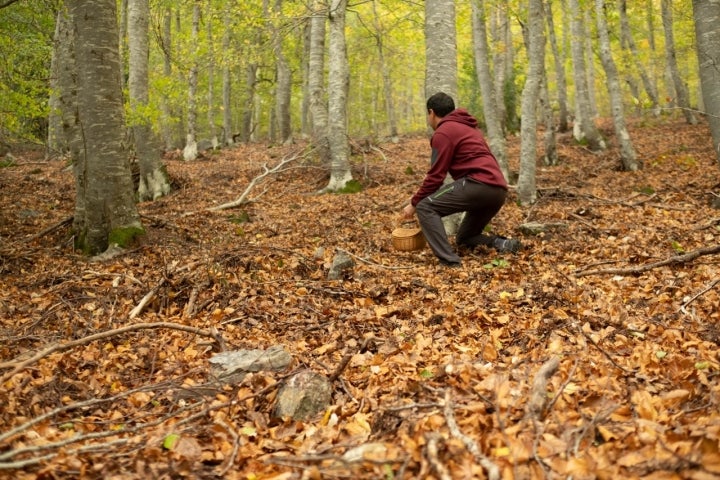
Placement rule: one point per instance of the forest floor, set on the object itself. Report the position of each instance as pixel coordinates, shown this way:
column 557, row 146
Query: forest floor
column 104, row 364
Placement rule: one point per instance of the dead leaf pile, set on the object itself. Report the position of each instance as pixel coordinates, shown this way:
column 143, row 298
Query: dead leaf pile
column 592, row 353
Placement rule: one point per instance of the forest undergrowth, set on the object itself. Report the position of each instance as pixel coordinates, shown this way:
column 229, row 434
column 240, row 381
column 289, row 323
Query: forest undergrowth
column 591, row 353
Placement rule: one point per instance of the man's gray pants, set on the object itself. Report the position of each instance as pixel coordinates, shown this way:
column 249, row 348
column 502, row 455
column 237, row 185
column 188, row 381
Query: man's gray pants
column 479, row 201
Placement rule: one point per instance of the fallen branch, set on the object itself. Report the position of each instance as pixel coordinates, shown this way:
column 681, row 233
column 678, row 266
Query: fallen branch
column 432, row 452
column 50, row 229
column 687, row 257
column 699, row 294
column 242, row 199
column 18, row 365
column 538, row 394
column 151, row 294
column 493, row 472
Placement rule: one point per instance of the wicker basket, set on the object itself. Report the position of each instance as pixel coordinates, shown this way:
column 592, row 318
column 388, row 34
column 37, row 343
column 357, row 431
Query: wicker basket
column 407, row 239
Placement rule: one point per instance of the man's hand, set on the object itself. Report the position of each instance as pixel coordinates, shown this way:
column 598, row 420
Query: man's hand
column 408, row 212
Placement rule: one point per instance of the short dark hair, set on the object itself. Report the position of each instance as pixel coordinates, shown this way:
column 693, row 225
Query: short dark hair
column 441, row 103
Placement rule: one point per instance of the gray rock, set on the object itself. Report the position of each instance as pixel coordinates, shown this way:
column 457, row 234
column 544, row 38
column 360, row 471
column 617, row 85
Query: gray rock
column 341, row 264
column 238, row 363
column 303, row 396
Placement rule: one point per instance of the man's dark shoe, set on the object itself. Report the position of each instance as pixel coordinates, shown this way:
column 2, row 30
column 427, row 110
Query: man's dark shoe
column 502, row 244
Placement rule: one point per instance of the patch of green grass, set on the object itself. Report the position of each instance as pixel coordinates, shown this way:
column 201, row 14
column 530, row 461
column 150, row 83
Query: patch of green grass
column 353, row 186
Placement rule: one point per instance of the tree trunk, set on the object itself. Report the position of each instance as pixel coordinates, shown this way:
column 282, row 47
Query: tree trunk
column 106, row 213
column 385, row 71
column 338, row 79
column 681, row 94
column 707, row 32
column 629, row 41
column 560, row 77
column 154, row 182
column 316, row 81
column 528, row 133
column 190, row 151
column 496, row 137
column 210, row 62
column 167, row 124
column 549, row 137
column 627, row 151
column 440, row 48
column 441, row 66
column 584, row 128
column 60, row 81
column 227, row 79
column 283, row 84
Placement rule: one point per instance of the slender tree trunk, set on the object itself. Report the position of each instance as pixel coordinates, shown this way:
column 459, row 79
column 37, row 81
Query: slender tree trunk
column 316, row 81
column 681, row 94
column 106, row 212
column 227, row 79
column 385, row 71
column 190, row 152
column 496, row 138
column 707, row 32
column 305, row 123
column 167, row 123
column 154, row 182
column 629, row 41
column 535, row 72
column 549, row 137
column 283, row 84
column 584, row 128
column 627, row 151
column 60, row 80
column 122, row 37
column 338, row 80
column 588, row 51
column 210, row 62
column 560, row 77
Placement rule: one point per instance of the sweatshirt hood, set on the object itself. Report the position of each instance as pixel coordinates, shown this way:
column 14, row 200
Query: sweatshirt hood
column 460, row 115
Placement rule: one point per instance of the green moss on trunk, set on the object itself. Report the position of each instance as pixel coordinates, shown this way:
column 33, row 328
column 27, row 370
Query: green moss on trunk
column 124, row 236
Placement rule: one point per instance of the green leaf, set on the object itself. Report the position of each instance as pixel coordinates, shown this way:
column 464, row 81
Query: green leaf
column 677, row 247
column 425, row 373
column 170, row 441
column 660, row 354
column 703, row 365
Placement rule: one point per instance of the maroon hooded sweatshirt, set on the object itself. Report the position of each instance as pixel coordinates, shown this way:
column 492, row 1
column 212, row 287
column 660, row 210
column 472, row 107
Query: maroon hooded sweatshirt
column 458, row 148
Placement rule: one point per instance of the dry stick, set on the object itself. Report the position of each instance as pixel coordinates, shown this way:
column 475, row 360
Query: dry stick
column 345, row 361
column 493, row 472
column 49, row 229
column 19, row 366
column 649, row 266
column 538, row 394
column 266, row 171
column 699, row 294
column 151, row 294
column 236, row 446
column 432, row 452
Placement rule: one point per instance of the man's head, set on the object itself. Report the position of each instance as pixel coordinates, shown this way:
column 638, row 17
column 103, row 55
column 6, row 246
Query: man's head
column 439, row 105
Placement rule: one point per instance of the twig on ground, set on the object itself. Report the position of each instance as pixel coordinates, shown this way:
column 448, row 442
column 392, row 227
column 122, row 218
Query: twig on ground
column 493, row 472
column 242, row 199
column 151, row 294
column 697, row 295
column 346, row 360
column 538, row 395
column 432, row 452
column 50, row 229
column 236, row 446
column 18, row 366
column 649, row 266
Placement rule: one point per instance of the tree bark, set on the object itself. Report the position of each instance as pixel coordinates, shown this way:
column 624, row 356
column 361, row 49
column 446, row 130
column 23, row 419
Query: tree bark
column 440, row 48
column 190, row 150
column 283, row 79
column 107, row 212
column 60, row 84
column 629, row 41
column 627, row 151
column 584, row 129
column 385, row 72
column 227, row 79
column 316, row 63
column 496, row 137
column 707, row 32
column 560, row 77
column 338, row 81
column 681, row 94
column 528, row 133
column 154, row 182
